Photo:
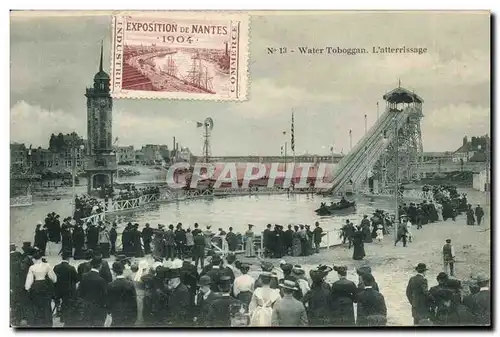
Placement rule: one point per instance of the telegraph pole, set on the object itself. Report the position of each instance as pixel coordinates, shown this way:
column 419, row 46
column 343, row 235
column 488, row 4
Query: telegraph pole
column 366, row 124
column 350, row 139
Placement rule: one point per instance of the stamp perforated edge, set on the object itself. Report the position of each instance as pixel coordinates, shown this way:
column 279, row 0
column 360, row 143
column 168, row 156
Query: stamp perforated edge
column 243, row 58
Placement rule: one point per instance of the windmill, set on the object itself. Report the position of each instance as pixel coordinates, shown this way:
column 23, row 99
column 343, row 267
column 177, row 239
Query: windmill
column 208, row 125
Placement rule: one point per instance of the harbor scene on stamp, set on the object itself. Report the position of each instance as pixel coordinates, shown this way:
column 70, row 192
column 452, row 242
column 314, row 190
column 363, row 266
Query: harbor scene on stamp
column 245, row 169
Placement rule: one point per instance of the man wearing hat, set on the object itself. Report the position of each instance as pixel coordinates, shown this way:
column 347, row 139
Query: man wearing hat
column 287, row 275
column 17, row 281
column 448, row 257
column 371, row 307
column 113, row 235
column 289, row 312
column 342, row 299
column 92, row 236
column 41, row 237
column 198, row 248
column 204, row 300
column 479, row 304
column 178, row 298
column 365, row 270
column 189, row 276
column 122, row 301
column 147, row 235
column 216, row 272
column 65, row 287
column 93, row 292
column 417, row 293
column 223, row 308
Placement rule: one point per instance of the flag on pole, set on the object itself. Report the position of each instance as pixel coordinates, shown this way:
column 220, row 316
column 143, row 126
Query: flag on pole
column 293, row 136
column 199, row 125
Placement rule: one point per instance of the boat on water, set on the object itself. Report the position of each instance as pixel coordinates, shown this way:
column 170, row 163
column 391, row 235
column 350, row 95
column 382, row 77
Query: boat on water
column 337, row 208
column 198, row 76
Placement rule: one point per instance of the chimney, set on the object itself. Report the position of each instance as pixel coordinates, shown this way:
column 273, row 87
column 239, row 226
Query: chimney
column 176, row 146
column 173, row 147
column 465, row 141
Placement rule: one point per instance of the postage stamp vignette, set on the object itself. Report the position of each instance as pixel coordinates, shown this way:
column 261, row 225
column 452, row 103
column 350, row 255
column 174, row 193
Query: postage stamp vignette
column 180, row 55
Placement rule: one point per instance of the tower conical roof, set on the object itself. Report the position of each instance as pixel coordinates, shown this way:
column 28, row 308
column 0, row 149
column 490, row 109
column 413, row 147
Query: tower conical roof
column 101, row 75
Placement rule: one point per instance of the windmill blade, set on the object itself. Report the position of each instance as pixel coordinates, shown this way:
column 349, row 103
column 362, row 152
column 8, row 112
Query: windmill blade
column 209, row 123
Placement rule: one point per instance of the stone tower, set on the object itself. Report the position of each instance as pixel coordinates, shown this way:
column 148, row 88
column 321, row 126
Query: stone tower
column 101, row 160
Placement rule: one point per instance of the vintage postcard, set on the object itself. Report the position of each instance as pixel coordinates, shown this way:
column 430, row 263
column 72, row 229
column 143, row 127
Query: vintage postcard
column 180, row 55
column 250, row 169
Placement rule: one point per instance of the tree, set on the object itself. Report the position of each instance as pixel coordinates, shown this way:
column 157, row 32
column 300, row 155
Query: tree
column 52, row 141
column 59, row 142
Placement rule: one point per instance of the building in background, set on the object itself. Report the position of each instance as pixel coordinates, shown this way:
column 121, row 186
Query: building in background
column 18, row 155
column 126, row 155
column 470, row 148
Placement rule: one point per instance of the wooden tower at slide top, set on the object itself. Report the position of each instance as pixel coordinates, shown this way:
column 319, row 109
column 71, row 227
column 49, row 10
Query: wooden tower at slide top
column 390, row 151
column 403, row 153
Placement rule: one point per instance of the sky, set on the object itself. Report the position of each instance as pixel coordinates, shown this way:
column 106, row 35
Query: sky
column 53, row 60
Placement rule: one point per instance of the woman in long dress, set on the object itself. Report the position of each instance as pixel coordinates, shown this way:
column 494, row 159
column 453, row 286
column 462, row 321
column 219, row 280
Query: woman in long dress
column 39, row 284
column 249, row 246
column 262, row 302
column 359, row 246
column 296, row 244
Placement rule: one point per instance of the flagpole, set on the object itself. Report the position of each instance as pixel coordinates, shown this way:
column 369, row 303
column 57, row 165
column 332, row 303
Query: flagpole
column 293, row 140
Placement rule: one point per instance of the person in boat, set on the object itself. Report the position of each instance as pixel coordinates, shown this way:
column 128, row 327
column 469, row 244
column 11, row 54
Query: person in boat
column 343, row 201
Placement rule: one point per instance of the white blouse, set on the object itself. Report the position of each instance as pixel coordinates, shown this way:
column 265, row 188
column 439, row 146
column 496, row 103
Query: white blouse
column 243, row 283
column 38, row 272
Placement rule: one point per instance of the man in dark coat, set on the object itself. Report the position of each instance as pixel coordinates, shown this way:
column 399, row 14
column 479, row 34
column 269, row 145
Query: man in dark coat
column 365, row 270
column 147, row 236
column 199, row 249
column 127, row 240
column 417, row 293
column 65, row 287
column 189, row 277
column 267, row 241
column 449, row 257
column 136, row 238
column 318, row 235
column 122, row 301
column 479, row 304
column 371, row 307
column 85, row 267
column 479, row 214
column 113, row 235
column 180, row 241
column 204, row 300
column 223, row 308
column 232, row 240
column 288, row 240
column 17, row 292
column 104, row 268
column 196, row 230
column 216, row 272
column 278, row 242
column 179, row 308
column 93, row 291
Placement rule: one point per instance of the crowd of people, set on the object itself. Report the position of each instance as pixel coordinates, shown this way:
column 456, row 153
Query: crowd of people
column 86, row 206
column 132, row 192
column 224, row 293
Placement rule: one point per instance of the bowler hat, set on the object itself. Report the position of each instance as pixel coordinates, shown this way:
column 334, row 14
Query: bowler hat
column 205, row 281
column 442, row 276
column 288, row 285
column 421, row 267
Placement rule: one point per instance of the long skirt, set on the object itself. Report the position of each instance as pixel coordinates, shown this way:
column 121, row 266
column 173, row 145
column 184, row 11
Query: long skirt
column 245, row 297
column 104, row 248
column 249, row 248
column 261, row 316
column 140, row 301
column 40, row 296
column 359, row 251
column 296, row 247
